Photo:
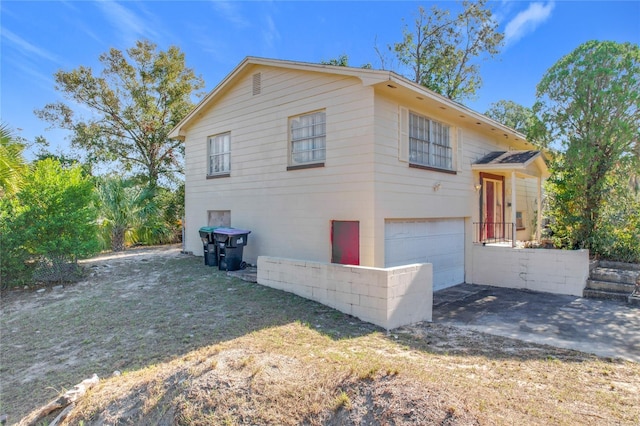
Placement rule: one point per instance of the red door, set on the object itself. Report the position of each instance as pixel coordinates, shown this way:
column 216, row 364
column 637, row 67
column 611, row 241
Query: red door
column 490, row 203
column 345, row 242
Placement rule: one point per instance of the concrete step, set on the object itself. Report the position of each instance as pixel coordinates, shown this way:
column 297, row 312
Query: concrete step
column 610, row 286
column 619, row 265
column 602, row 294
column 623, row 276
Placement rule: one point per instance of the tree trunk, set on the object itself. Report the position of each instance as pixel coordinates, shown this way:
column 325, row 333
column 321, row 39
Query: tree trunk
column 117, row 239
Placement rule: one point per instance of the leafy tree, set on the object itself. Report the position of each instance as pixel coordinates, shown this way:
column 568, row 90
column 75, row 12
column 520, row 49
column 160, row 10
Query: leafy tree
column 590, row 103
column 343, row 61
column 53, row 217
column 442, row 50
column 124, row 206
column 135, row 102
column 12, row 164
column 340, row 61
column 520, row 118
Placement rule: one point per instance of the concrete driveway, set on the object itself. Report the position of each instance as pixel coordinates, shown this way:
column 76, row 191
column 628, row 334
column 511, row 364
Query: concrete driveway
column 602, row 327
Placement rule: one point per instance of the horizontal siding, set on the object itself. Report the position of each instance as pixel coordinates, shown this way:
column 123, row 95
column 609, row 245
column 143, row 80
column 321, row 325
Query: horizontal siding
column 289, row 212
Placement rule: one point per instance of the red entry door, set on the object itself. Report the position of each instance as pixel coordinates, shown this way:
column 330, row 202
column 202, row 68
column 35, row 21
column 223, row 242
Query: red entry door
column 345, row 242
column 490, row 203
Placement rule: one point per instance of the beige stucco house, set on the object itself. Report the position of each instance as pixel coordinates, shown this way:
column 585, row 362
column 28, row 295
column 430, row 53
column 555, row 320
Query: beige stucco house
column 354, row 166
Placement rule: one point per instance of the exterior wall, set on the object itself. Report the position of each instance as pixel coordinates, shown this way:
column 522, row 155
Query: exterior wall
column 403, row 192
column 389, row 298
column 288, row 212
column 550, row 271
column 363, row 179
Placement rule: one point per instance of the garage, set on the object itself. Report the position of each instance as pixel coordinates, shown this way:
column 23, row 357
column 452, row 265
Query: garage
column 436, row 241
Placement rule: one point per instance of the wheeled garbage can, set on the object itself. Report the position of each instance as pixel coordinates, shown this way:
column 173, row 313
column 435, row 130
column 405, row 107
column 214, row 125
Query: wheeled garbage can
column 208, row 245
column 230, row 243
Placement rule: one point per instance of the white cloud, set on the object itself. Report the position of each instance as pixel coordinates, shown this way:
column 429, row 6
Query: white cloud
column 126, row 23
column 270, row 33
column 230, row 12
column 27, row 48
column 527, row 21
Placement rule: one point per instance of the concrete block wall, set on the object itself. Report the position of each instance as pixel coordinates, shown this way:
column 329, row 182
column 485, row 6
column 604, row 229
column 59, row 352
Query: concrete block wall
column 551, row 271
column 387, row 297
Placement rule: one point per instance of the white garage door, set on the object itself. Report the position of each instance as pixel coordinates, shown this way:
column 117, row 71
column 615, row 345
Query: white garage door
column 438, row 241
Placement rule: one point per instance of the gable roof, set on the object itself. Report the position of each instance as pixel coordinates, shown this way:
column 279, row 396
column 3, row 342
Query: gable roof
column 519, row 161
column 388, row 80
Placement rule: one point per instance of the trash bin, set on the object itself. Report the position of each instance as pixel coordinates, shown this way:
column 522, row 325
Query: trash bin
column 208, row 245
column 229, row 244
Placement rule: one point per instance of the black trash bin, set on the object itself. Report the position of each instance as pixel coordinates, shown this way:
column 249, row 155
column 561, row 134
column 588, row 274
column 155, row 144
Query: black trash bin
column 229, row 244
column 208, row 245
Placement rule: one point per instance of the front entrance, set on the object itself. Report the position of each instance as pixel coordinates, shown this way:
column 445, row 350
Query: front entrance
column 492, row 206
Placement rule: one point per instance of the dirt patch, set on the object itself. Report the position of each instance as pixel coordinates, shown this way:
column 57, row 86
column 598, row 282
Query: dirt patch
column 195, row 346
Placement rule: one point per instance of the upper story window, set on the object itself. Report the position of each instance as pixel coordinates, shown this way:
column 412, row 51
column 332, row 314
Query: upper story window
column 308, row 138
column 429, row 143
column 219, row 154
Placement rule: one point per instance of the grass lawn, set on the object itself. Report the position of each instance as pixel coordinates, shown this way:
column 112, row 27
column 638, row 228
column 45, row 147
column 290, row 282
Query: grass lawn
column 194, row 346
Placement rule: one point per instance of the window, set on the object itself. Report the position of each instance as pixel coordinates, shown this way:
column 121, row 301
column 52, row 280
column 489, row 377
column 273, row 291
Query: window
column 219, row 155
column 519, row 221
column 429, row 143
column 308, row 138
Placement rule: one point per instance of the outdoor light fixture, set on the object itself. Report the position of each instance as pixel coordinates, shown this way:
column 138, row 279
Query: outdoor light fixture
column 477, row 187
column 437, row 186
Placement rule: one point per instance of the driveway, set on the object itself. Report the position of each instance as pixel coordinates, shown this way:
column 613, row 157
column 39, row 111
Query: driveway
column 602, row 327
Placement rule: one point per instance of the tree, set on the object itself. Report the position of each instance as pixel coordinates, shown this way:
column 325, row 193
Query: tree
column 123, row 207
column 442, row 51
column 12, row 164
column 135, row 102
column 52, row 218
column 343, row 61
column 590, row 103
column 520, row 118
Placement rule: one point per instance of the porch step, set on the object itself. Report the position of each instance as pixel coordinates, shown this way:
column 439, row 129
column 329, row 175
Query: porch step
column 610, row 286
column 612, row 281
column 606, row 295
column 615, row 275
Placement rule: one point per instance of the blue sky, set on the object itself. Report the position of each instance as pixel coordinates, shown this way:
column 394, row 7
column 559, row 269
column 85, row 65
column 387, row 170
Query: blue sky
column 39, row 38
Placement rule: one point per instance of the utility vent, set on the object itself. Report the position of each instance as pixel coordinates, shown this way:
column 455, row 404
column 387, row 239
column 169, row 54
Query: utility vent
column 257, row 83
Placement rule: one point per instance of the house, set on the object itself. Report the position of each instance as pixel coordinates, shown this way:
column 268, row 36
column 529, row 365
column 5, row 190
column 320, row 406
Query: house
column 354, row 166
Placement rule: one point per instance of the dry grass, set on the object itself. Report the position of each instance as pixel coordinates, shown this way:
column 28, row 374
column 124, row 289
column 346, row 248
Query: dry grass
column 199, row 348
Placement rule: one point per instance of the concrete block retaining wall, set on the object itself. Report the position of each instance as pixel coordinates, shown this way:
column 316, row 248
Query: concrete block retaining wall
column 387, row 297
column 551, row 271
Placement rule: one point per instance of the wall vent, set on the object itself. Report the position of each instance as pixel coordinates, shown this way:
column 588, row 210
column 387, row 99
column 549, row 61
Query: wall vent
column 257, row 83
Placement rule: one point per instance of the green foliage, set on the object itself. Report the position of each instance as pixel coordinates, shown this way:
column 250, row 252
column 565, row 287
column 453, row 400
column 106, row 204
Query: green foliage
column 53, row 216
column 590, row 103
column 12, row 164
column 442, row 51
column 131, row 213
column 519, row 118
column 124, row 205
column 340, row 61
column 134, row 102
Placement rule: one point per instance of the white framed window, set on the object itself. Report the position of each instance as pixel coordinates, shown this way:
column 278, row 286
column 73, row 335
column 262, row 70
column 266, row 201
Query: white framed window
column 219, row 147
column 429, row 143
column 308, row 138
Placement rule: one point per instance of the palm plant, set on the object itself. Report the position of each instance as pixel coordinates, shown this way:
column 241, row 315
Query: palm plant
column 12, row 164
column 124, row 206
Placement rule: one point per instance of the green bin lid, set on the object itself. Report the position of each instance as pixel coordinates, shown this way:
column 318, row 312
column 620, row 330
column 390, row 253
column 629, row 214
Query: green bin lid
column 208, row 228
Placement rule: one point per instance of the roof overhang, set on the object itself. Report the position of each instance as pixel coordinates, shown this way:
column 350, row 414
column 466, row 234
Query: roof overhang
column 523, row 163
column 379, row 79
